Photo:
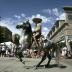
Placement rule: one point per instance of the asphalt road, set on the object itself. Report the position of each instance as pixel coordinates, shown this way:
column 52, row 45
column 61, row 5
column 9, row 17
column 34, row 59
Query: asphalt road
column 14, row 65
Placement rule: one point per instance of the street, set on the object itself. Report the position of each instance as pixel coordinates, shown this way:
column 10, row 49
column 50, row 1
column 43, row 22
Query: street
column 67, row 61
column 14, row 65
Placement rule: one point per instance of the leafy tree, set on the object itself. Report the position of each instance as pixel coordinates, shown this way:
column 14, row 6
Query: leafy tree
column 16, row 38
column 2, row 35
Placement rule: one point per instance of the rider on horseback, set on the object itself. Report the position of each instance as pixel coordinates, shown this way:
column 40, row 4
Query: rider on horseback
column 37, row 31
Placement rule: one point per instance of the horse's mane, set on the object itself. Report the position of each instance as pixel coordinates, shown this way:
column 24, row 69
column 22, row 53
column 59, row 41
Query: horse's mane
column 28, row 28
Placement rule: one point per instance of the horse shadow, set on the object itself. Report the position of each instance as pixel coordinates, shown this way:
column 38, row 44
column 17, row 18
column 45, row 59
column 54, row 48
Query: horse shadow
column 50, row 66
column 61, row 66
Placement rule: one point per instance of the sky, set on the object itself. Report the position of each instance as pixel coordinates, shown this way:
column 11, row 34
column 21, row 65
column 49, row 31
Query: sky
column 13, row 12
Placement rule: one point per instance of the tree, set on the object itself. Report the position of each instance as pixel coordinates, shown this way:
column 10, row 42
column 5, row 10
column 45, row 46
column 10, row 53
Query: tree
column 15, row 39
column 2, row 35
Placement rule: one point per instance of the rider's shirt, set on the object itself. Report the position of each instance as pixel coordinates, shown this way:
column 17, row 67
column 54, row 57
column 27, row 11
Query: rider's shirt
column 38, row 28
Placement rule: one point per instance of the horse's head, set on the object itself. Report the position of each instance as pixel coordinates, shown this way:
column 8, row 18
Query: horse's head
column 21, row 26
column 26, row 34
column 25, row 26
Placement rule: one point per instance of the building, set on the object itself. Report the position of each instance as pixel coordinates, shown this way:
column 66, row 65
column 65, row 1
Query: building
column 62, row 29
column 5, row 34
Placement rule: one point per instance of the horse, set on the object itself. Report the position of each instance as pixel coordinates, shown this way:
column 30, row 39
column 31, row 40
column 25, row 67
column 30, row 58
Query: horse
column 49, row 47
column 26, row 42
column 26, row 38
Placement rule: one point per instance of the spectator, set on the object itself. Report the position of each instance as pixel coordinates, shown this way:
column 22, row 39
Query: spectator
column 0, row 50
column 3, row 51
column 64, row 51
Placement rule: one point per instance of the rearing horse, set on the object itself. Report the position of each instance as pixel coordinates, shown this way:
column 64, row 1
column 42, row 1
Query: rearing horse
column 26, row 37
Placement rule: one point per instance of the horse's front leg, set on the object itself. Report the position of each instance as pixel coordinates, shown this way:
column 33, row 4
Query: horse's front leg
column 20, row 56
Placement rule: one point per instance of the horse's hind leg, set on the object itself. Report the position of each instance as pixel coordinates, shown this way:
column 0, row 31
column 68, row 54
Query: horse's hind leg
column 43, row 58
column 49, row 57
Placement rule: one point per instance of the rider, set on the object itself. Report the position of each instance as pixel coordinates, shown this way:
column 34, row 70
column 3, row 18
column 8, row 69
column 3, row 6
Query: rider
column 37, row 32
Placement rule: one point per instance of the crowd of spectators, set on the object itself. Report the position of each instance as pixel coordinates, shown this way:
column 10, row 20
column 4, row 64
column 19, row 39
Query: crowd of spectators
column 5, row 51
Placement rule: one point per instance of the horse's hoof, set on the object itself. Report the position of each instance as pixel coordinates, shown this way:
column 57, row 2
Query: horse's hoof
column 23, row 62
column 36, row 68
column 46, row 66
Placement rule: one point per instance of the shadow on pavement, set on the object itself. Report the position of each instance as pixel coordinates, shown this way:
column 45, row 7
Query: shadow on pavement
column 47, row 67
column 52, row 66
column 62, row 66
